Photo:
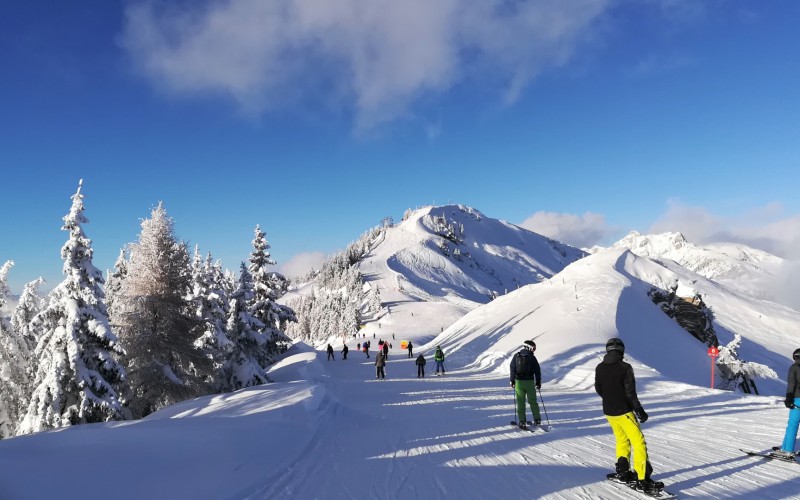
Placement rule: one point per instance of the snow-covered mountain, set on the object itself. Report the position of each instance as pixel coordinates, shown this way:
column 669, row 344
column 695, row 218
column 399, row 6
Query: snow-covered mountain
column 328, row 429
column 742, row 268
column 455, row 254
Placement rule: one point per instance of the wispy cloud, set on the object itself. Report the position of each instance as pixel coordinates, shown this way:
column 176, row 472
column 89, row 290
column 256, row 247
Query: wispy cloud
column 582, row 231
column 767, row 228
column 301, row 264
column 655, row 64
column 378, row 56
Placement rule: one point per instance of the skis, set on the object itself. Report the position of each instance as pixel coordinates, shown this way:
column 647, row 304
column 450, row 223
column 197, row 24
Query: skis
column 531, row 426
column 771, row 455
column 662, row 493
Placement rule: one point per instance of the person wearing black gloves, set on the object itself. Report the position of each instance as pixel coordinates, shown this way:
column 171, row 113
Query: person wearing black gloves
column 793, row 403
column 615, row 383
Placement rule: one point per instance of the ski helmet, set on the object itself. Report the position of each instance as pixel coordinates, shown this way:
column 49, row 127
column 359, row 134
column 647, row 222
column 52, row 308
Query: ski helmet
column 615, row 344
column 530, row 345
column 796, row 354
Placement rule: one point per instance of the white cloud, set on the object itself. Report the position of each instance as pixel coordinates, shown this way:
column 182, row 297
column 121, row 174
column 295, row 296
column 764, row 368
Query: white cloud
column 582, row 231
column 379, row 55
column 300, row 264
column 767, row 228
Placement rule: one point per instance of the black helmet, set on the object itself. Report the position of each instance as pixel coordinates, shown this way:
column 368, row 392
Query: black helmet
column 530, row 345
column 615, row 344
column 796, row 354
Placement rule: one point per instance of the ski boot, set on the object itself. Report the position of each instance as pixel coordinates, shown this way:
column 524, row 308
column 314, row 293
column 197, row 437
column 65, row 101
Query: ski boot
column 624, row 472
column 649, row 486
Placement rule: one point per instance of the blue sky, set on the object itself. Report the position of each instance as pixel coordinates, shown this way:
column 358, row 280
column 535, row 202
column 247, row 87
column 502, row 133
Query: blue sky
column 580, row 119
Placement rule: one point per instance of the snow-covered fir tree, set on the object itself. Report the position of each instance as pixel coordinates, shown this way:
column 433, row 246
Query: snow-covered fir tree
column 30, row 304
column 78, row 378
column 209, row 300
column 338, row 301
column 739, row 374
column 156, row 323
column 114, row 286
column 246, row 332
column 268, row 286
column 14, row 363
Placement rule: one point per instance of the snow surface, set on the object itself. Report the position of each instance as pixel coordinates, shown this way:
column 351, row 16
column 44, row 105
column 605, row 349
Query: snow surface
column 328, row 430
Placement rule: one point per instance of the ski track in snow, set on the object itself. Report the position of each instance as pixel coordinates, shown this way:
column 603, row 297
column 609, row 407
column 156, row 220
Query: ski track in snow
column 448, row 437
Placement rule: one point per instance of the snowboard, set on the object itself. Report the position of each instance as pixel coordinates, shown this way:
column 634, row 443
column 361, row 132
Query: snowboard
column 662, row 494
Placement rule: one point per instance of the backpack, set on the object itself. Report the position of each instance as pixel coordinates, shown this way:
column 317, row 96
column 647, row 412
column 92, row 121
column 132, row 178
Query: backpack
column 524, row 365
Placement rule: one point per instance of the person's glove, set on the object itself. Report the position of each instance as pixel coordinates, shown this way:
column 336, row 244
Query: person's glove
column 789, row 402
column 538, row 385
column 640, row 414
column 512, row 383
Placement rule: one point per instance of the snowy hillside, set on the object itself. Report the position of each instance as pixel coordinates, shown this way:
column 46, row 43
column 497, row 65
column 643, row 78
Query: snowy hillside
column 328, row 430
column 738, row 266
column 441, row 262
column 455, row 253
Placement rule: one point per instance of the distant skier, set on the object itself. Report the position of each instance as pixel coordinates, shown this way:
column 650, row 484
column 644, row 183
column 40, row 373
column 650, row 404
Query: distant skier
column 793, row 403
column 358, row 346
column 380, row 364
column 385, row 350
column 330, row 353
column 438, row 356
column 366, row 348
column 410, row 349
column 526, row 377
column 615, row 383
column 421, row 366
column 344, row 352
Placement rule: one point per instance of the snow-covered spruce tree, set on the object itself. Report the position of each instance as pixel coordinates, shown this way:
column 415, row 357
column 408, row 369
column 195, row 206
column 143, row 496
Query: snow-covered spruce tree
column 14, row 365
column 339, row 301
column 114, row 287
column 268, row 286
column 209, row 301
column 738, row 374
column 30, row 304
column 78, row 380
column 246, row 332
column 156, row 323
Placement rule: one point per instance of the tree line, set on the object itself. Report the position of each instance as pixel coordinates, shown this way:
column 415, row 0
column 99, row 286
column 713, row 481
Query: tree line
column 164, row 327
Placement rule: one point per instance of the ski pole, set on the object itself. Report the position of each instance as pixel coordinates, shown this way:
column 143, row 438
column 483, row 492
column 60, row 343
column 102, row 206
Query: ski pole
column 544, row 407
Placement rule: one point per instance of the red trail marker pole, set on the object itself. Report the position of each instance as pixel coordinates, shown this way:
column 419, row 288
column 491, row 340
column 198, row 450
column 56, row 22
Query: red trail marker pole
column 713, row 352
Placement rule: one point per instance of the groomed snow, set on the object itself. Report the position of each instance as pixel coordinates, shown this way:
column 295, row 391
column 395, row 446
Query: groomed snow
column 328, row 430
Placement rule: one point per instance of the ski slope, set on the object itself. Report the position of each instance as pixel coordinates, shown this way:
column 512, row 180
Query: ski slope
column 329, row 430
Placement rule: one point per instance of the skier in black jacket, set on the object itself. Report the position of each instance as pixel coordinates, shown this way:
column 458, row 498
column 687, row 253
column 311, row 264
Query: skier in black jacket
column 615, row 383
column 793, row 403
column 526, row 377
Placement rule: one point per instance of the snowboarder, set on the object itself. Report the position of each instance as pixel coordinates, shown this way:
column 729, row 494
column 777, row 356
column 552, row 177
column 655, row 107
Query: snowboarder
column 386, row 350
column 438, row 356
column 421, row 366
column 410, row 349
column 330, row 353
column 358, row 346
column 366, row 348
column 793, row 403
column 344, row 352
column 380, row 363
column 526, row 377
column 615, row 383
